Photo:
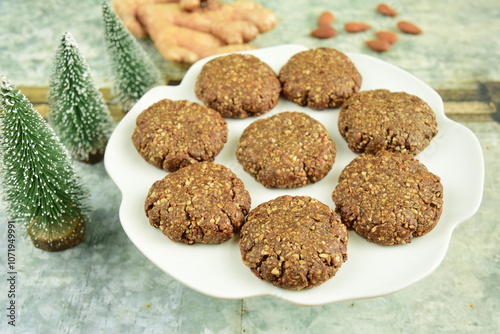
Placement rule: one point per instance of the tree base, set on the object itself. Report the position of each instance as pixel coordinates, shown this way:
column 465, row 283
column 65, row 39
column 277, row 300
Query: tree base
column 93, row 158
column 60, row 242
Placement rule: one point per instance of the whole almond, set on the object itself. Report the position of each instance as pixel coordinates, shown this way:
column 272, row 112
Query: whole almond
column 388, row 36
column 379, row 45
column 409, row 28
column 324, row 31
column 326, row 18
column 356, row 26
column 386, row 10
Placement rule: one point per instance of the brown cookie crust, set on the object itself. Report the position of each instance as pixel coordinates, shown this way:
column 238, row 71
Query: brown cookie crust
column 388, row 198
column 294, row 242
column 286, row 150
column 201, row 203
column 379, row 119
column 238, row 86
column 319, row 78
column 173, row 134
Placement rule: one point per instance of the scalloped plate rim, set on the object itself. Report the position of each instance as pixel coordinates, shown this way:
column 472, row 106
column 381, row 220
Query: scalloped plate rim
column 244, row 285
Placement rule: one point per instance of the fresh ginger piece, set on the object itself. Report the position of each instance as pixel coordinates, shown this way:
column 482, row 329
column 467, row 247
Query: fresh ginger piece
column 264, row 19
column 182, row 44
column 191, row 5
column 128, row 10
column 188, row 36
column 215, row 19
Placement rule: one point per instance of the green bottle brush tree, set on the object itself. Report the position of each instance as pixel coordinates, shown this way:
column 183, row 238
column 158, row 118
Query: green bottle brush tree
column 77, row 110
column 134, row 73
column 38, row 184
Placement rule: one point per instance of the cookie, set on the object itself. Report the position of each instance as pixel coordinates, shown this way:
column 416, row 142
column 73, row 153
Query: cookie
column 319, row 78
column 287, row 150
column 173, row 134
column 379, row 119
column 238, row 86
column 201, row 203
column 293, row 242
column 389, row 198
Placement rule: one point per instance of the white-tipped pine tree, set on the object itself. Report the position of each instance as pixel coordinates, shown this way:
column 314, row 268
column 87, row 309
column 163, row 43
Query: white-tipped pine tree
column 77, row 110
column 134, row 73
column 39, row 186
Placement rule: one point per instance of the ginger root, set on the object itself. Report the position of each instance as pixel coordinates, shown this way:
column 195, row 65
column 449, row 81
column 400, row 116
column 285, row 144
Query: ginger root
column 188, row 30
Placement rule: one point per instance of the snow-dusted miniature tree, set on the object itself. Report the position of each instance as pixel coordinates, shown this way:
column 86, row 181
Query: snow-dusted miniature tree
column 134, row 73
column 77, row 110
column 39, row 186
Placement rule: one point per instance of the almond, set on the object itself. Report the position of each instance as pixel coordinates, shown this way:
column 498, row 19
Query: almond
column 324, row 31
column 356, row 26
column 409, row 28
column 386, row 10
column 388, row 36
column 379, row 45
column 326, row 18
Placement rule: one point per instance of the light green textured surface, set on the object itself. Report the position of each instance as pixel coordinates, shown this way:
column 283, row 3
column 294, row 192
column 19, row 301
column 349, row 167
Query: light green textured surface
column 459, row 46
column 105, row 285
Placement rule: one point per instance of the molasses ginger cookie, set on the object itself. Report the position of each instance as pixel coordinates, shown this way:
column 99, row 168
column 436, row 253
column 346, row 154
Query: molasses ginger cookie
column 389, row 198
column 286, row 150
column 293, row 242
column 319, row 78
column 238, row 86
column 173, row 134
column 200, row 203
column 379, row 119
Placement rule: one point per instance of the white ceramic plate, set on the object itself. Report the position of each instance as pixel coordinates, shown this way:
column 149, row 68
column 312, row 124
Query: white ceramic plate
column 371, row 270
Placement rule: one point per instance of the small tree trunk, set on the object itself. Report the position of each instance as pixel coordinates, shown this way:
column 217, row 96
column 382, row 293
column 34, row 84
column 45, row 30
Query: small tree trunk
column 93, row 158
column 65, row 240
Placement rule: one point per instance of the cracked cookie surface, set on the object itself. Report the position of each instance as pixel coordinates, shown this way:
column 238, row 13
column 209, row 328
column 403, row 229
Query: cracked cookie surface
column 286, row 150
column 388, row 198
column 293, row 242
column 201, row 203
column 319, row 78
column 378, row 119
column 238, row 86
column 173, row 134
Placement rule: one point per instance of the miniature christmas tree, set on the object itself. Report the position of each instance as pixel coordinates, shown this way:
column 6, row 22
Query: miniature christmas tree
column 77, row 110
column 133, row 71
column 39, row 185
